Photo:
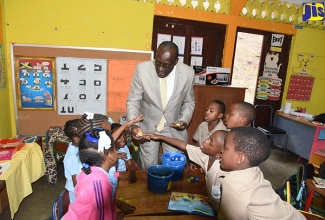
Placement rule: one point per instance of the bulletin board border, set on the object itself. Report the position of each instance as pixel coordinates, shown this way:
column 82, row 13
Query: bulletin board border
column 35, row 122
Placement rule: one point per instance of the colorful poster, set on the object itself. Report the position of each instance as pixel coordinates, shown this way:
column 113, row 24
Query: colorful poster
column 196, row 45
column 35, row 83
column 3, row 77
column 81, row 85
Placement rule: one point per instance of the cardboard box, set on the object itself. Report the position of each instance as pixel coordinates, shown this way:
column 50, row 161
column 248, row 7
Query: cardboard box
column 210, row 75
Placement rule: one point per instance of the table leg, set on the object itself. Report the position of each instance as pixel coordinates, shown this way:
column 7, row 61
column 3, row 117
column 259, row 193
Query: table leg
column 298, row 160
column 309, row 199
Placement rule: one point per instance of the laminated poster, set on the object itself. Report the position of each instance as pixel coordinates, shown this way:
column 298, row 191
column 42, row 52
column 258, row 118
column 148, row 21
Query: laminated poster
column 81, row 85
column 35, row 83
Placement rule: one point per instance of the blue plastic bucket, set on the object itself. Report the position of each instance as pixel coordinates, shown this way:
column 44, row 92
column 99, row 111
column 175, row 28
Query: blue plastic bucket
column 159, row 178
column 176, row 161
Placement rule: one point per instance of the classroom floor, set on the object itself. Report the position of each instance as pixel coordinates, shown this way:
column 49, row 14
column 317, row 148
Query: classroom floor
column 37, row 206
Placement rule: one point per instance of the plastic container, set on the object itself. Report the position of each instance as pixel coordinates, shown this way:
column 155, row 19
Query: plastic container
column 176, row 161
column 159, row 178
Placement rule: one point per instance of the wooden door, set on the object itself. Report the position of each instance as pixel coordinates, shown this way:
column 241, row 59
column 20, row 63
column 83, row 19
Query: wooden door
column 213, row 37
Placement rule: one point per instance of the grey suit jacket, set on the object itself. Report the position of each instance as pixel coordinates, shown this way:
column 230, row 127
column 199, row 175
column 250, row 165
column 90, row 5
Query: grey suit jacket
column 144, row 98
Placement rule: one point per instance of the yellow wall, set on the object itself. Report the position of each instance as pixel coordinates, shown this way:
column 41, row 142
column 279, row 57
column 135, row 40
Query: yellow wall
column 122, row 24
column 309, row 40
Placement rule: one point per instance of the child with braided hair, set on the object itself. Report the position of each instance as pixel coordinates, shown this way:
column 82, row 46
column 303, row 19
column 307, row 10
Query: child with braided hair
column 71, row 159
column 90, row 121
column 94, row 192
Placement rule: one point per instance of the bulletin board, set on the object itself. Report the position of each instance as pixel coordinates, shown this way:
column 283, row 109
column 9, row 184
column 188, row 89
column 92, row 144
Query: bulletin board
column 120, row 66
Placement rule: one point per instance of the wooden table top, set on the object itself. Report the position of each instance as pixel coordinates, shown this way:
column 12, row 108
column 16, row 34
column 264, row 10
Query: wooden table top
column 151, row 205
column 296, row 118
column 311, row 185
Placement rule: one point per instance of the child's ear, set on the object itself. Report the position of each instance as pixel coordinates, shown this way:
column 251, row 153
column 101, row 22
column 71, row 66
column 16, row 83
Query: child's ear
column 220, row 115
column 241, row 157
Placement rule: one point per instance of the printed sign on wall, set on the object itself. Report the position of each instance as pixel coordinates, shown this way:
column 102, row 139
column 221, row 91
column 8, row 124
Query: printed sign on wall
column 35, row 83
column 81, row 85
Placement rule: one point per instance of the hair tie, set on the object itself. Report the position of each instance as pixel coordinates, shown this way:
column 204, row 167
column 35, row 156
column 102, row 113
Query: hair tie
column 85, row 165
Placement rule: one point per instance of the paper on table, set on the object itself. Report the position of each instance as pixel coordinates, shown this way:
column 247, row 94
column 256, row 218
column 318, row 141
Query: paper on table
column 4, row 166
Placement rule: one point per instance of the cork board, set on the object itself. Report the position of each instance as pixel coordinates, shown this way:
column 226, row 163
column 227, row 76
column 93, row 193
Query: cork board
column 37, row 122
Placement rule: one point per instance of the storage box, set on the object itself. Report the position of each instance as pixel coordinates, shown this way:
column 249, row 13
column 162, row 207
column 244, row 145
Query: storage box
column 210, row 75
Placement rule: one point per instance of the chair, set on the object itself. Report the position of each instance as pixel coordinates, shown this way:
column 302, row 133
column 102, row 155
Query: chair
column 264, row 123
column 59, row 150
column 60, row 205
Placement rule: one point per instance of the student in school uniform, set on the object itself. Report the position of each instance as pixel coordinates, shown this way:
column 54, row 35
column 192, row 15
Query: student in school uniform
column 245, row 192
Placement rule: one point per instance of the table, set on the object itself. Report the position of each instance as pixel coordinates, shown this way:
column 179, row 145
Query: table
column 312, row 188
column 26, row 166
column 154, row 206
column 300, row 133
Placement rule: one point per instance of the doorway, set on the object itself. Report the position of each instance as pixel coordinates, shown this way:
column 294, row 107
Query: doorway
column 246, row 63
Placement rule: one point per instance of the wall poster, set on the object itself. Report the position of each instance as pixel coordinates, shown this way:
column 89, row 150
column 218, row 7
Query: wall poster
column 36, row 77
column 300, row 88
column 81, row 85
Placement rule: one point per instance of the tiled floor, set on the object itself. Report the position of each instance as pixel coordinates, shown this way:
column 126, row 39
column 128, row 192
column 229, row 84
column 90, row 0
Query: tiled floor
column 37, row 206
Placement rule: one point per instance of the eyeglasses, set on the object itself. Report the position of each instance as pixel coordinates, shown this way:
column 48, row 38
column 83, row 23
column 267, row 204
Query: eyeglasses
column 166, row 66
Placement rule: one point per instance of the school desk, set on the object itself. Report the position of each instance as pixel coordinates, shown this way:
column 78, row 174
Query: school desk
column 300, row 133
column 312, row 189
column 26, row 166
column 151, row 205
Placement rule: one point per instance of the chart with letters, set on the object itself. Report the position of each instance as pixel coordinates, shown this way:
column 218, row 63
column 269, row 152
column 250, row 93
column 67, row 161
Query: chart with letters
column 81, row 85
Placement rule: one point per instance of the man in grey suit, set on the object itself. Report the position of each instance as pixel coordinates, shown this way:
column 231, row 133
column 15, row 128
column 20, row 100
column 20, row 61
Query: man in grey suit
column 162, row 91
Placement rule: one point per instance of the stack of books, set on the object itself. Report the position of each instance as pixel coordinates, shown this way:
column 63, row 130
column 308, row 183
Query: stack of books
column 319, row 182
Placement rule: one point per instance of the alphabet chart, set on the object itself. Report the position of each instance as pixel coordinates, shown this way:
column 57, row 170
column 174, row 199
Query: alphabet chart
column 81, row 85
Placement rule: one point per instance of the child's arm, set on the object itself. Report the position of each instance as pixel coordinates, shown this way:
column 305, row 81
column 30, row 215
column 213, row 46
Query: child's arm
column 74, row 179
column 120, row 130
column 173, row 141
column 132, row 169
column 124, row 207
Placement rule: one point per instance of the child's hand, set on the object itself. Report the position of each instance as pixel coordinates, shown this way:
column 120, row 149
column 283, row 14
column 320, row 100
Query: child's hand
column 151, row 136
column 132, row 178
column 180, row 126
column 133, row 121
column 119, row 216
column 190, row 167
column 124, row 207
column 122, row 155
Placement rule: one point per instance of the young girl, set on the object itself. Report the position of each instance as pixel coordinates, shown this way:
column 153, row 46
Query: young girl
column 212, row 122
column 94, row 197
column 124, row 161
column 71, row 159
column 90, row 121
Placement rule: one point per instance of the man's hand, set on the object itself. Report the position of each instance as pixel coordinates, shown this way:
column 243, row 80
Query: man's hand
column 124, row 207
column 180, row 126
column 136, row 132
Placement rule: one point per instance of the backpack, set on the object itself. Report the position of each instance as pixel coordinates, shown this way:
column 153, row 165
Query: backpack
column 298, row 188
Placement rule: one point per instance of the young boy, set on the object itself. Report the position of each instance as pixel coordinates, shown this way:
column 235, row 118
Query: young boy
column 207, row 156
column 124, row 157
column 241, row 114
column 212, row 122
column 71, row 160
column 245, row 192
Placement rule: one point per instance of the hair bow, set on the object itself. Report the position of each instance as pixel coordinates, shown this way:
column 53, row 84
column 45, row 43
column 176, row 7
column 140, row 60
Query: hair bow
column 90, row 115
column 104, row 142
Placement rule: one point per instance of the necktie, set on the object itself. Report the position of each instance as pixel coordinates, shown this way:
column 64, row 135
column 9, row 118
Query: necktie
column 163, row 93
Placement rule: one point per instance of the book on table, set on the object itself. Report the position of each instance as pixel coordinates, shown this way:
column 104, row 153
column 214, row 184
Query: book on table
column 319, row 182
column 190, row 203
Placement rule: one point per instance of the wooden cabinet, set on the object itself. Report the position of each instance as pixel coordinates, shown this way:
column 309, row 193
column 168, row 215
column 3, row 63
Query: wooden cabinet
column 205, row 94
column 317, row 153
